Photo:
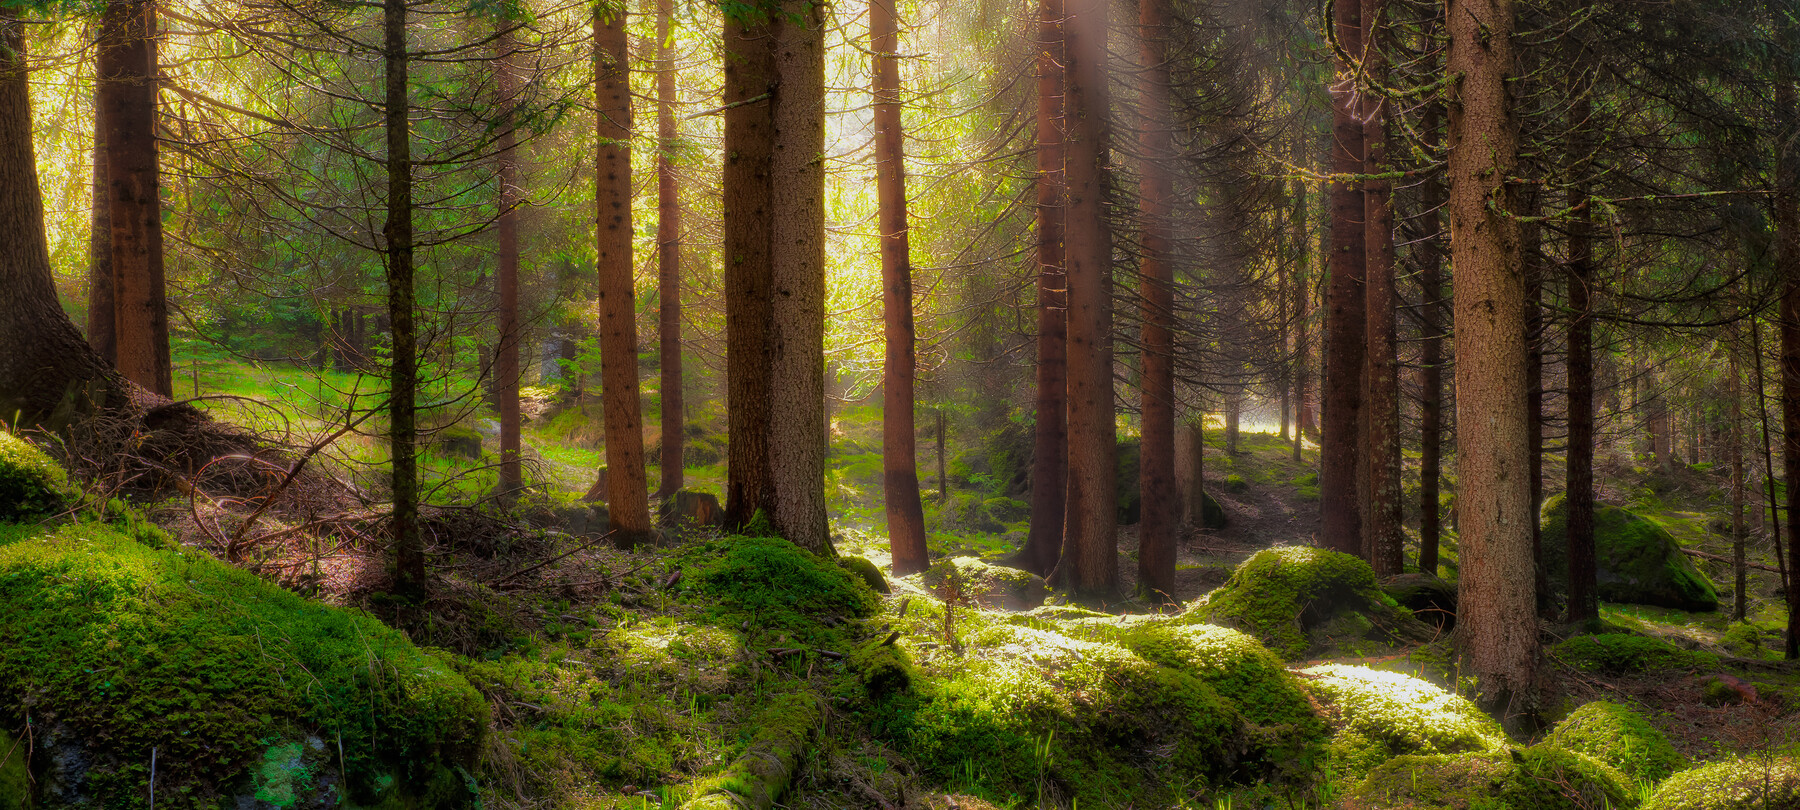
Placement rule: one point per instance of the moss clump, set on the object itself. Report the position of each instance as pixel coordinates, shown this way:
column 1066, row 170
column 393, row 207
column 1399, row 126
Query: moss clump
column 1381, row 715
column 131, row 648
column 1637, row 561
column 31, row 485
column 1541, row 777
column 784, row 730
column 777, row 586
column 1622, row 654
column 1618, row 737
column 993, row 586
column 870, row 574
column 882, row 668
column 1282, row 594
column 1748, row 783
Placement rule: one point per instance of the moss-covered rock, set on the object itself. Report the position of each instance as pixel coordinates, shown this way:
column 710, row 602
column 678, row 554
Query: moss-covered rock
column 118, row 648
column 870, row 574
column 1380, row 715
column 31, row 485
column 1298, row 600
column 993, row 586
column 1427, row 596
column 1742, row 783
column 1541, row 777
column 776, row 586
column 1619, row 737
column 1637, row 561
column 1623, row 654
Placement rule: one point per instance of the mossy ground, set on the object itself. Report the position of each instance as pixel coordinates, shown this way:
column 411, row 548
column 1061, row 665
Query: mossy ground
column 1620, row 737
column 1736, row 783
column 1300, row 600
column 31, row 485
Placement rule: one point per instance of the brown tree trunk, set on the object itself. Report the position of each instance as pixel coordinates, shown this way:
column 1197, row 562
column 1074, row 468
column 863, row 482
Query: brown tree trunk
column 900, row 463
column 1532, row 254
column 1193, row 496
column 943, row 482
column 1787, row 264
column 1090, row 555
column 1762, row 415
column 627, row 495
column 797, row 440
column 506, row 278
column 1345, row 331
column 102, row 308
column 126, row 77
column 1159, row 521
column 750, row 84
column 1431, row 353
column 1297, row 359
column 1050, row 444
column 397, row 233
column 1578, row 482
column 668, row 260
column 1383, row 539
column 1739, row 571
column 1496, row 624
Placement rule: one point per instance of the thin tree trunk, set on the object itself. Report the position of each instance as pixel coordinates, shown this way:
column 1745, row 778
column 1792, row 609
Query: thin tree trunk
column 1090, row 558
column 750, row 84
column 126, row 77
column 797, row 440
column 1787, row 263
column 102, row 308
column 1193, row 497
column 668, row 260
column 1739, row 571
column 1431, row 351
column 627, row 495
column 1345, row 329
column 1050, row 444
column 506, row 277
column 1496, row 608
column 1762, row 414
column 1160, row 517
column 1578, row 482
column 905, row 514
column 1383, row 538
column 397, row 233
column 943, row 481
column 1301, row 369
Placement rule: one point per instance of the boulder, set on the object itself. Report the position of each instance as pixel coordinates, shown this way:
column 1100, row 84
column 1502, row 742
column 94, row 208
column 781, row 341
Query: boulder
column 1739, row 783
column 1428, row 597
column 1300, row 600
column 1380, row 715
column 1638, row 561
column 868, row 571
column 1542, row 777
column 991, row 586
column 1620, row 737
column 691, row 508
column 459, row 442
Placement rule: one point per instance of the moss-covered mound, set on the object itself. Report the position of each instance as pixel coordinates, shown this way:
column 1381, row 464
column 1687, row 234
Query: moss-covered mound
column 31, row 485
column 1541, row 777
column 1298, row 600
column 242, row 688
column 1637, row 561
column 1619, row 737
column 775, row 585
column 972, row 581
column 1624, row 654
column 1749, row 783
column 1380, row 715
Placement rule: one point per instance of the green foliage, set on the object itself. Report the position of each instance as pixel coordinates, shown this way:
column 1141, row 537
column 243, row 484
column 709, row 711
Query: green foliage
column 1541, row 777
column 1621, row 654
column 1279, row 593
column 1381, row 715
column 31, row 485
column 1619, row 737
column 137, row 648
column 1739, row 783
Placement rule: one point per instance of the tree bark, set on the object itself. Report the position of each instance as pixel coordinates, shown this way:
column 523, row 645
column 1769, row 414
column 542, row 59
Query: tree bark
column 397, row 233
column 1762, row 415
column 899, row 453
column 750, row 85
column 125, row 73
column 1345, row 328
column 1384, row 541
column 1160, row 516
column 668, row 261
column 1496, row 623
column 1090, row 555
column 506, row 277
column 1431, row 351
column 1787, row 263
column 1739, row 571
column 1298, row 365
column 102, row 307
column 627, row 494
column 1050, row 448
column 1578, row 482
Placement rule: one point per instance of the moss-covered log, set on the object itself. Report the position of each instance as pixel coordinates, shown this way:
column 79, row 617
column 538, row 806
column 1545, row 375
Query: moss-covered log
column 755, row 780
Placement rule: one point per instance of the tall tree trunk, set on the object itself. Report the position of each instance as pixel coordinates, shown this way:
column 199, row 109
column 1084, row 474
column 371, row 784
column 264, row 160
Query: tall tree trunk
column 899, row 455
column 1762, row 415
column 668, row 259
column 1739, row 570
column 506, row 278
column 1431, row 352
column 1578, row 482
column 1297, row 365
column 397, row 233
column 627, row 493
column 1090, row 558
column 1532, row 254
column 797, row 440
column 750, row 84
column 1787, row 263
column 102, row 317
column 1193, row 496
column 1345, row 328
column 1050, row 443
column 1159, row 521
column 1496, row 607
column 1383, row 538
column 126, row 78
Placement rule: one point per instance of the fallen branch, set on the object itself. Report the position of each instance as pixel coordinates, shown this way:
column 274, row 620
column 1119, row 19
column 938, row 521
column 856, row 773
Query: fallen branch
column 1728, row 561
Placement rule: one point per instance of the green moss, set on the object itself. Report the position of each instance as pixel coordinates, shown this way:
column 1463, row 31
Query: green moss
column 1381, row 715
column 994, row 586
column 15, row 778
column 1541, row 777
column 866, row 570
column 31, row 485
column 784, row 732
column 882, row 668
column 1638, row 561
column 1621, row 654
column 776, row 586
column 1281, row 593
column 1743, row 783
column 1619, row 737
column 1236, row 483
column 135, row 648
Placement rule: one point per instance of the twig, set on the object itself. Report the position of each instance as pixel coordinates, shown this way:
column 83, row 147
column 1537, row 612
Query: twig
column 583, row 547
